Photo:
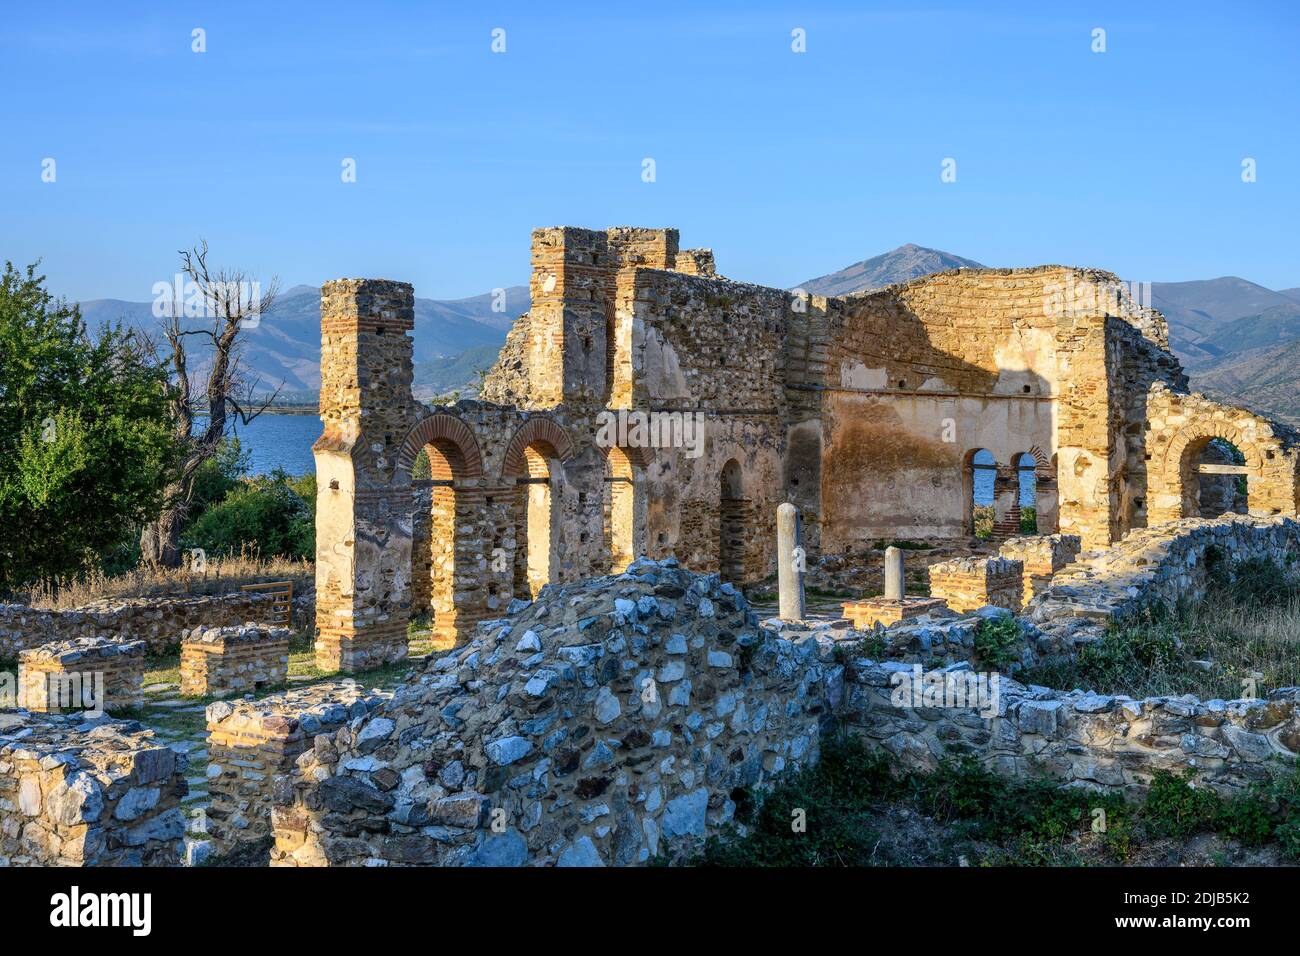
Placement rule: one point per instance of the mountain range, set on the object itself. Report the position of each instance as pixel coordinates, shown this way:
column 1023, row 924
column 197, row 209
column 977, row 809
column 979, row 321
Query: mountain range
column 1239, row 341
column 284, row 347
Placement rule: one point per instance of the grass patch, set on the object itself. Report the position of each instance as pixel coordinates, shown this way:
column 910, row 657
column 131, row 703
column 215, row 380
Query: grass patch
column 221, row 574
column 1242, row 635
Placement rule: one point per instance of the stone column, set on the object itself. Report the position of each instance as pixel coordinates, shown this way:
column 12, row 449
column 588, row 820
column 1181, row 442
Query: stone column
column 894, row 587
column 789, row 571
column 363, row 519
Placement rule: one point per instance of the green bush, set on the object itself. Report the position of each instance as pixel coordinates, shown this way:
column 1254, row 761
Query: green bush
column 998, row 642
column 1175, row 808
column 218, row 476
column 1029, row 520
column 265, row 516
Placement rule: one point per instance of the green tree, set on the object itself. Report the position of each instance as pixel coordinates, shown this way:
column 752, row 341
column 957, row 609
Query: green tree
column 85, row 434
column 269, row 515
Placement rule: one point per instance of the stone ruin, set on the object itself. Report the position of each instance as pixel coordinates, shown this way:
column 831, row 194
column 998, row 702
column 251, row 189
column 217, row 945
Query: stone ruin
column 608, row 723
column 581, row 542
column 646, row 406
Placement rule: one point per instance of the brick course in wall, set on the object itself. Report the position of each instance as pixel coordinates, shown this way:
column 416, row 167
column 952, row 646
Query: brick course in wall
column 83, row 673
column 220, row 661
column 250, row 743
column 1041, row 556
column 967, row 584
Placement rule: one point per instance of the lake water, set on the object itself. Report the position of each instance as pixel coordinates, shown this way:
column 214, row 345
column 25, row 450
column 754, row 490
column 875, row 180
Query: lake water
column 280, row 441
column 284, row 441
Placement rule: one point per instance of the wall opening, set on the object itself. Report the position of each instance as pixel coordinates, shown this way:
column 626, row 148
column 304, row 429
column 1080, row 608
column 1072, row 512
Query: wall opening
column 731, row 524
column 535, row 520
column 979, row 479
column 435, row 543
column 1026, row 466
column 621, row 500
column 1214, row 479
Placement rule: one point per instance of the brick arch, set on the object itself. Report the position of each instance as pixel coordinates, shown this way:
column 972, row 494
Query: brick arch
column 441, row 430
column 1043, row 465
column 537, row 430
column 638, row 457
column 1187, row 443
column 1202, row 432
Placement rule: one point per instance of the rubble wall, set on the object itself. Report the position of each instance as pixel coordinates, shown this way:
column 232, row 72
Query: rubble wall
column 608, row 723
column 158, row 621
column 87, row 793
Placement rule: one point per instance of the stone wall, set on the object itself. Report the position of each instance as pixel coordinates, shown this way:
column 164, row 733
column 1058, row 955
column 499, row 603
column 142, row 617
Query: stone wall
column 87, row 793
column 250, row 743
column 220, row 661
column 1162, row 564
column 1082, row 738
column 791, row 397
column 607, row 723
column 1041, row 557
column 158, row 621
column 967, row 584
column 86, row 673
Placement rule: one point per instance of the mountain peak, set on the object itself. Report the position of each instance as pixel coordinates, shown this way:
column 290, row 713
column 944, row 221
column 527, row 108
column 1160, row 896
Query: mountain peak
column 909, row 261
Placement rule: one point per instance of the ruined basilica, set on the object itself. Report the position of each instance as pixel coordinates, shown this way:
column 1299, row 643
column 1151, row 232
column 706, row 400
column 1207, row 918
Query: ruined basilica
column 866, row 411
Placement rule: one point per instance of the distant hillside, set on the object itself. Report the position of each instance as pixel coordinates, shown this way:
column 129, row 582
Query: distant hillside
column 1199, row 310
column 898, row 265
column 454, row 373
column 285, row 346
column 1265, row 380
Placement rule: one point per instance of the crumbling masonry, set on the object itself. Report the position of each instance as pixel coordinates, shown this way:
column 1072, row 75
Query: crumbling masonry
column 865, row 411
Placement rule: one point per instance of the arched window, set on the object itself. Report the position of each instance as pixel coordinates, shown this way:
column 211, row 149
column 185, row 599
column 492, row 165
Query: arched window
column 979, row 479
column 732, row 513
column 1027, row 491
column 1216, row 479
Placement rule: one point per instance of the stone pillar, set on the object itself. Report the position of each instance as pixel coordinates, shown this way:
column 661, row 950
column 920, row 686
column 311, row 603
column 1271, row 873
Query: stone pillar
column 570, row 288
column 363, row 519
column 894, row 586
column 789, row 572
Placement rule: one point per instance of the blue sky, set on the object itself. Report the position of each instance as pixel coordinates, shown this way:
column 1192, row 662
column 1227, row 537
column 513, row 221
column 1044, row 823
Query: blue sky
column 788, row 165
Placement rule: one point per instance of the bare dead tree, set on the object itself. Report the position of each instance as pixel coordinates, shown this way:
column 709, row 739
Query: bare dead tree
column 230, row 302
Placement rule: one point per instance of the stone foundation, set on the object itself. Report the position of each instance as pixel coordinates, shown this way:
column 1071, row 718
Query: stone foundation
column 1042, row 556
column 866, row 614
column 1104, row 741
column 220, row 661
column 1165, row 564
column 251, row 742
column 968, row 584
column 77, row 793
column 82, row 674
column 158, row 621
